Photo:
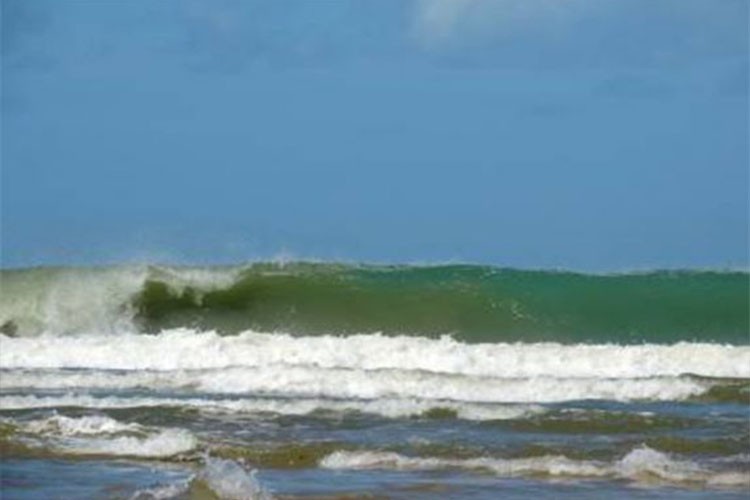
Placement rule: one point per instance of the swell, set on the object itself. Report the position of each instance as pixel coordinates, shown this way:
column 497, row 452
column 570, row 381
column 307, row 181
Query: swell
column 472, row 303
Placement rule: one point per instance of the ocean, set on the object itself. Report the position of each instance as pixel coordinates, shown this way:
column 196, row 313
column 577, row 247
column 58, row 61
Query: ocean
column 338, row 381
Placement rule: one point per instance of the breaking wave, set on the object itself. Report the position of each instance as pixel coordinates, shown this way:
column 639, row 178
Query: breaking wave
column 472, row 303
column 187, row 363
column 102, row 435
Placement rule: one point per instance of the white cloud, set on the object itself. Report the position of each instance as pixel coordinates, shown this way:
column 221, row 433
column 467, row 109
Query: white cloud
column 439, row 23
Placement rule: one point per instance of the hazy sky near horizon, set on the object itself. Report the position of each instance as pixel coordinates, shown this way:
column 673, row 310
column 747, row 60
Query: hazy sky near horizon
column 585, row 134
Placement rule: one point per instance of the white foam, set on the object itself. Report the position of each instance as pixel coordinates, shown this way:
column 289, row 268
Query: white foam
column 646, row 462
column 553, row 465
column 640, row 464
column 227, row 479
column 312, row 381
column 363, row 367
column 87, row 425
column 94, row 300
column 163, row 492
column 165, row 443
column 741, row 458
column 101, row 435
column 204, row 279
column 230, row 481
column 59, row 301
column 391, row 408
column 188, row 349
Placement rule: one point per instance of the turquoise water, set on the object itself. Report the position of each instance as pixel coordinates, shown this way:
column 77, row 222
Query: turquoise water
column 308, row 380
column 473, row 303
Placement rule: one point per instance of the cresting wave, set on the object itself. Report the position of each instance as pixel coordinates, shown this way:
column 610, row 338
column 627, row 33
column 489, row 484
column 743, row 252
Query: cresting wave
column 472, row 303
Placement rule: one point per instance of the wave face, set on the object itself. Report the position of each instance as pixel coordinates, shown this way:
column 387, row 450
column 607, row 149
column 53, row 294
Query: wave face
column 471, row 303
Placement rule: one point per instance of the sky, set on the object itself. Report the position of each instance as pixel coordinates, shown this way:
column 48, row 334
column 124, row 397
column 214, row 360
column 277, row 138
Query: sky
column 598, row 135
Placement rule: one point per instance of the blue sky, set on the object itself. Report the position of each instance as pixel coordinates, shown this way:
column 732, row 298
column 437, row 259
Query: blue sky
column 584, row 134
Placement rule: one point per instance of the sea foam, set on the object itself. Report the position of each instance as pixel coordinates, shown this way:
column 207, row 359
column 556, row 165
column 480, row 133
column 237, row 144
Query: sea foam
column 641, row 464
column 188, row 349
column 387, row 407
column 102, row 435
column 364, row 367
column 313, row 382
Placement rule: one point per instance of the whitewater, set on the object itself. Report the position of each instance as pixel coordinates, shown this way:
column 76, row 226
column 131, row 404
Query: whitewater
column 292, row 379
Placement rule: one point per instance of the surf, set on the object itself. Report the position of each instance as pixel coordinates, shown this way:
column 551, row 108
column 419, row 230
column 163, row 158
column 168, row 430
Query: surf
column 476, row 304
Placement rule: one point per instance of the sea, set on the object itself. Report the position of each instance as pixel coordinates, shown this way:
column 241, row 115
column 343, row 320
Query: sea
column 324, row 380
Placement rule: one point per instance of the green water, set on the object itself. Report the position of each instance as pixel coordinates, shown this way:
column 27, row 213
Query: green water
column 473, row 303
